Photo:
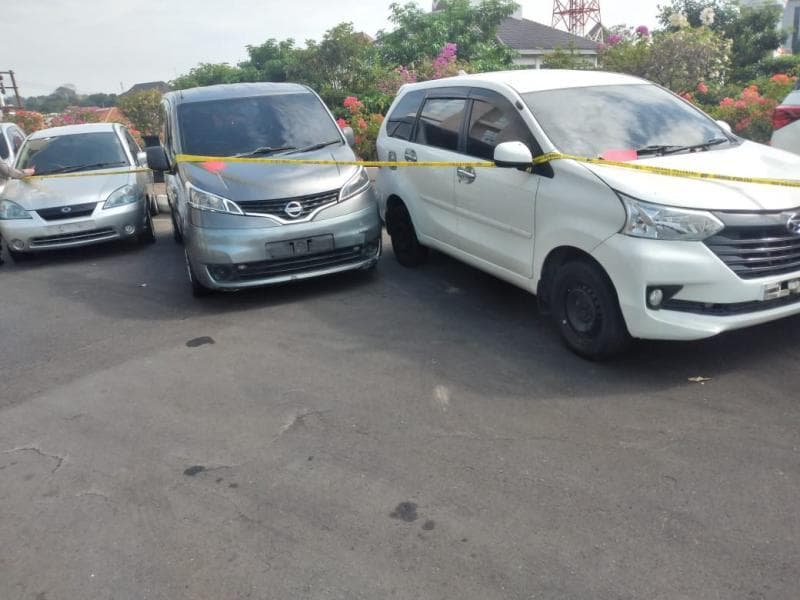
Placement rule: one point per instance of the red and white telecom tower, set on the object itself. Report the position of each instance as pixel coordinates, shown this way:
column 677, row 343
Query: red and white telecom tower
column 580, row 17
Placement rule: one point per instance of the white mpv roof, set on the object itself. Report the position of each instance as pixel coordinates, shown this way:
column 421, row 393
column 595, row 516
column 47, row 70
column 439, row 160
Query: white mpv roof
column 536, row 80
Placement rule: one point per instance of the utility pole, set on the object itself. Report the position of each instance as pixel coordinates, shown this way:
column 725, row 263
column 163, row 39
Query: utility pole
column 13, row 86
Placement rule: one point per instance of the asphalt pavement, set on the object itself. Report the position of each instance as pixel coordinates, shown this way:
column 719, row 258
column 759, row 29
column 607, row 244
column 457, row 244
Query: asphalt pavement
column 417, row 434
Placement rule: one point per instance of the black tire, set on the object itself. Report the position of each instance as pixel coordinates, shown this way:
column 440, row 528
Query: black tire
column 407, row 249
column 198, row 289
column 148, row 236
column 586, row 311
column 176, row 233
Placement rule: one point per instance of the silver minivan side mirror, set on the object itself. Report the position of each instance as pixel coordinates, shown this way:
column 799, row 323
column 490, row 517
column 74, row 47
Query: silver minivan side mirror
column 725, row 125
column 350, row 136
column 141, row 159
column 513, row 155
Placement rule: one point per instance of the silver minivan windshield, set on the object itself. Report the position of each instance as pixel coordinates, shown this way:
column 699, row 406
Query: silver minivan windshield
column 596, row 121
column 259, row 125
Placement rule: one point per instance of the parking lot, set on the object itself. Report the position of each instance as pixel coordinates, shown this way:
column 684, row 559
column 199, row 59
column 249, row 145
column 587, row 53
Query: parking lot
column 403, row 434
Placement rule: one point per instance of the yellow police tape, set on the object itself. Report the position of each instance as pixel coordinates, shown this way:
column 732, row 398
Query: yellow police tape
column 539, row 160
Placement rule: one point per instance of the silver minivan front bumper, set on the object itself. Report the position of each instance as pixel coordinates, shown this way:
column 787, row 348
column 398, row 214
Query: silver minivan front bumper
column 238, row 257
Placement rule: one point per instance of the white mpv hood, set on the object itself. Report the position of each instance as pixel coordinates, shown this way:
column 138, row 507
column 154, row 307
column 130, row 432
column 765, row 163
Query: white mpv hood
column 746, row 160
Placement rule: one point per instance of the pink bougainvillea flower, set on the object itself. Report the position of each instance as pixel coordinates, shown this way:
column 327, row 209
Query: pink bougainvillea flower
column 702, row 87
column 341, row 123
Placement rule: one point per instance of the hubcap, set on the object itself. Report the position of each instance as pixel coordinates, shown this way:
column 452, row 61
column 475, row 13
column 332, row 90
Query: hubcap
column 581, row 311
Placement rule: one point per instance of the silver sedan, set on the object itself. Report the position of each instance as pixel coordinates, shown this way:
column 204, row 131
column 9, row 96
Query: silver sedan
column 91, row 187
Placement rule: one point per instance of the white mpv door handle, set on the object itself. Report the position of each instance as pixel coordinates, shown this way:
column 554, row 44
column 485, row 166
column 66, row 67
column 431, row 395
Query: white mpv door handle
column 411, row 156
column 466, row 174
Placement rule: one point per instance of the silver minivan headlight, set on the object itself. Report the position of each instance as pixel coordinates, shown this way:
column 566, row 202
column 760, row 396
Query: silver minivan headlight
column 203, row 200
column 657, row 222
column 10, row 211
column 355, row 185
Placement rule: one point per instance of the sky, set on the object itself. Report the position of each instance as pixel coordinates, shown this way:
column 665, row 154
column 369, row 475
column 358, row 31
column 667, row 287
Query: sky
column 109, row 45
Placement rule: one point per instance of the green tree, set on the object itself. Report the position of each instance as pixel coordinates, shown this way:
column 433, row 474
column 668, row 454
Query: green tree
column 680, row 60
column 271, row 60
column 753, row 30
column 210, row 74
column 725, row 13
column 344, row 63
column 568, row 58
column 419, row 34
column 755, row 36
column 142, row 109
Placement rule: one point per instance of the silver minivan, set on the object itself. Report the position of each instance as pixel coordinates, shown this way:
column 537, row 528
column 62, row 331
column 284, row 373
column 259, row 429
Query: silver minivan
column 246, row 224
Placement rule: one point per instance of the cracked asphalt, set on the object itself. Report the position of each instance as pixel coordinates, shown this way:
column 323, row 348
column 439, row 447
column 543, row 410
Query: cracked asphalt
column 413, row 434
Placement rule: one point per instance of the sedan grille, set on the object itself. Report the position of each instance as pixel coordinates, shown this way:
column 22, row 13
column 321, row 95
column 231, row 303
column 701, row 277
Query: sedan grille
column 67, row 212
column 761, row 251
column 64, row 239
column 303, row 206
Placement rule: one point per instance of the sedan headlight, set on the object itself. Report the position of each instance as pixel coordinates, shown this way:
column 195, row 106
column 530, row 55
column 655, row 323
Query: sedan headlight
column 207, row 201
column 657, row 222
column 124, row 195
column 11, row 210
column 355, row 185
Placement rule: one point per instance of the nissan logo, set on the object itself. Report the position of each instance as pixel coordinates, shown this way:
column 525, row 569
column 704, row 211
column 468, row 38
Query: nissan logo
column 793, row 225
column 295, row 209
column 66, row 209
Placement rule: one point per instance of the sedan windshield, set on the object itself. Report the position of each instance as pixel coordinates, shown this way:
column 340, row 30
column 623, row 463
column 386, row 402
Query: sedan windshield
column 595, row 121
column 72, row 153
column 256, row 126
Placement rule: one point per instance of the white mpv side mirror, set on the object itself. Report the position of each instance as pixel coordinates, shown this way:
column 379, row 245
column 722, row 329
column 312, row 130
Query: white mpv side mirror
column 725, row 125
column 513, row 155
column 141, row 158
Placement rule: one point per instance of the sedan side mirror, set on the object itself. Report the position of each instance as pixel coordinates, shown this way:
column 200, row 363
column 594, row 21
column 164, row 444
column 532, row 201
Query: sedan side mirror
column 350, row 136
column 157, row 159
column 726, row 126
column 513, row 155
column 141, row 159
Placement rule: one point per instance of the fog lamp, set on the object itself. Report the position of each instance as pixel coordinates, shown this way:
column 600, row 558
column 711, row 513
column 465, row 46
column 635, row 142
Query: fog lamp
column 655, row 298
column 130, row 229
column 17, row 244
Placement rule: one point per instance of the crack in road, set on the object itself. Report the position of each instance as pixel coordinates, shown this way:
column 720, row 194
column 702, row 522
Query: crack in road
column 58, row 458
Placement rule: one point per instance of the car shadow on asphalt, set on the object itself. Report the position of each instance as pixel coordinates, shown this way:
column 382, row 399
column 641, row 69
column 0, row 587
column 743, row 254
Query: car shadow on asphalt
column 422, row 314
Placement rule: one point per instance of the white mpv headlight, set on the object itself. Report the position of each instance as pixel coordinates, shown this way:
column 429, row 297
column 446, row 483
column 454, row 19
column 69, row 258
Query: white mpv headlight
column 355, row 185
column 207, row 201
column 657, row 222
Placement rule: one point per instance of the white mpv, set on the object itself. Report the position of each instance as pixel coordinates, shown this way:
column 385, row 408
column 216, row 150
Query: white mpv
column 612, row 253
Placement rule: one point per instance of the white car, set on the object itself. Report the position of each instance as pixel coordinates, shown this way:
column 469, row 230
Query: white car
column 613, row 253
column 786, row 124
column 11, row 138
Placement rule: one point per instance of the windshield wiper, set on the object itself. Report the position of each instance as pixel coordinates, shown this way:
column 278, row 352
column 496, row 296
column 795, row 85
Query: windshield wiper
column 76, row 168
column 704, row 146
column 658, row 149
column 265, row 150
column 315, row 147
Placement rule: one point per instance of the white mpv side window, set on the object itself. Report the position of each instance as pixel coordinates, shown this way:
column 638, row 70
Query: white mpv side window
column 440, row 123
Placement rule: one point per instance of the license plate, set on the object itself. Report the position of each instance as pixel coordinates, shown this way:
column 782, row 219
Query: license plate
column 782, row 289
column 75, row 227
column 318, row 244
